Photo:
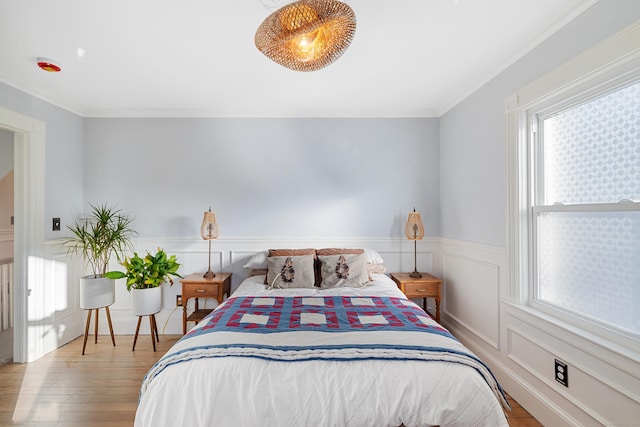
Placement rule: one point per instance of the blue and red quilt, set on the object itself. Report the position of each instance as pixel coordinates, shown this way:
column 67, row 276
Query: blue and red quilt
column 332, row 328
column 319, row 314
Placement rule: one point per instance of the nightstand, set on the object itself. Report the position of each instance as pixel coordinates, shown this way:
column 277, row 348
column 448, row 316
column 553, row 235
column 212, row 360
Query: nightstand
column 427, row 286
column 196, row 286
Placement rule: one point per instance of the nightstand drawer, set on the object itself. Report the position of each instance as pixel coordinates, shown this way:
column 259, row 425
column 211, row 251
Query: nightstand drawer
column 425, row 286
column 421, row 289
column 200, row 290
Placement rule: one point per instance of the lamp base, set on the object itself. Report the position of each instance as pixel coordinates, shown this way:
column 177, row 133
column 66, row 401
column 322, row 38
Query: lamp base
column 209, row 274
column 415, row 274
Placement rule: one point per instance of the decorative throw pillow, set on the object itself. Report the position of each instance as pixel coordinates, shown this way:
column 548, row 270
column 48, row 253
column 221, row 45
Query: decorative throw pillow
column 332, row 251
column 290, row 271
column 338, row 251
column 343, row 270
column 292, row 252
column 288, row 252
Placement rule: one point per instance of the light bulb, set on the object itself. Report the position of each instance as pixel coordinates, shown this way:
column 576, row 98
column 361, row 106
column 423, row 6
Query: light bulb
column 307, row 46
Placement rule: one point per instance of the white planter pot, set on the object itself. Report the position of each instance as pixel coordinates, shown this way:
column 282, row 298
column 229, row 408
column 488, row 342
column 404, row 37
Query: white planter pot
column 147, row 301
column 96, row 292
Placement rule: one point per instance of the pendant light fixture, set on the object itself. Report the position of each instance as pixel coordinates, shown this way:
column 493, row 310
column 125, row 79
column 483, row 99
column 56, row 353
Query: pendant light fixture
column 307, row 35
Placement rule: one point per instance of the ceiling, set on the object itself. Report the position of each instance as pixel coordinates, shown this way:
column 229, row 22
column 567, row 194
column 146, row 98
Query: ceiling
column 196, row 58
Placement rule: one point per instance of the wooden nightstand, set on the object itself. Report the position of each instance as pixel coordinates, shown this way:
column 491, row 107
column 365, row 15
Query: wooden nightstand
column 427, row 286
column 196, row 286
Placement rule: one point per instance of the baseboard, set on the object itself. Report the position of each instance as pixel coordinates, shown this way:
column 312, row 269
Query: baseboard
column 540, row 406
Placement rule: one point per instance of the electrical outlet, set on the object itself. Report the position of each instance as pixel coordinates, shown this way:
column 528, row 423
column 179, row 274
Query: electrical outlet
column 178, row 300
column 56, row 224
column 562, row 373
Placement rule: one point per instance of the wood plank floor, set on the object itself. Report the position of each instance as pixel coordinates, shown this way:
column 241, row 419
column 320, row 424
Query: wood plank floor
column 98, row 389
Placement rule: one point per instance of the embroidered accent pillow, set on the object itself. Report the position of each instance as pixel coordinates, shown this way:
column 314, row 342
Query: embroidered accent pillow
column 287, row 252
column 290, row 271
column 342, row 270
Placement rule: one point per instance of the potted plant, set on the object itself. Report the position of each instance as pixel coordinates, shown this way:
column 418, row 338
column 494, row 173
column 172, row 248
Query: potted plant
column 105, row 233
column 144, row 278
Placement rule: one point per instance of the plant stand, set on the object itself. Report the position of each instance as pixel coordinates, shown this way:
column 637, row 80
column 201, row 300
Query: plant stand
column 86, row 329
column 153, row 326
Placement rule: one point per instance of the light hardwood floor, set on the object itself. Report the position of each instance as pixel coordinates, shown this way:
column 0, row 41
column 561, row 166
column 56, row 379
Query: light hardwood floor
column 98, row 389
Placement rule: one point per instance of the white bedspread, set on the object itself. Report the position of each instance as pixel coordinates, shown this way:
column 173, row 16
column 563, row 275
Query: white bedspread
column 241, row 391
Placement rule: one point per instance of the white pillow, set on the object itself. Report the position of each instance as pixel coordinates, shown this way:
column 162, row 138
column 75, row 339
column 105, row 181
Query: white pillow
column 343, row 270
column 291, row 271
column 257, row 261
column 373, row 257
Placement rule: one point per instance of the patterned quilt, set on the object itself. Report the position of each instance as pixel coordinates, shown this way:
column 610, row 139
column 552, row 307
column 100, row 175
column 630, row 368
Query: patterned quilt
column 319, row 314
column 342, row 328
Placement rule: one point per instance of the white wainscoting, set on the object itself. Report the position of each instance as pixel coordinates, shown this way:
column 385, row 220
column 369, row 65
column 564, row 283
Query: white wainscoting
column 517, row 343
column 474, row 280
column 6, row 244
column 520, row 345
column 229, row 255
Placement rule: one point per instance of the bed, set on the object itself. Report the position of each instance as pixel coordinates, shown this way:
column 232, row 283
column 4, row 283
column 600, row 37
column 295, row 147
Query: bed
column 310, row 356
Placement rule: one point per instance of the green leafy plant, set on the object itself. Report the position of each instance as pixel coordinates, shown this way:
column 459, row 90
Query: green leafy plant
column 105, row 233
column 148, row 272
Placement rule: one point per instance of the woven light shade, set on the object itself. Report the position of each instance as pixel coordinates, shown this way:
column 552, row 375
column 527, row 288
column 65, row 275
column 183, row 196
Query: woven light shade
column 209, row 231
column 307, row 35
column 414, row 230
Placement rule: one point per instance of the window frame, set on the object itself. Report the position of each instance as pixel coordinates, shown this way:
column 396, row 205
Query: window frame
column 606, row 67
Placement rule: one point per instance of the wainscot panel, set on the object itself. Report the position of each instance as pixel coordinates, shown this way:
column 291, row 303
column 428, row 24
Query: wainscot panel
column 229, row 255
column 472, row 283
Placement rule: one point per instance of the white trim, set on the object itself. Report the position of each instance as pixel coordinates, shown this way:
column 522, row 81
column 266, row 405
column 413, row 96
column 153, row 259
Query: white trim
column 548, row 32
column 606, row 351
column 601, row 207
column 6, row 235
column 606, row 65
column 37, row 94
column 612, row 63
column 29, row 166
column 270, row 113
column 520, row 390
column 495, row 343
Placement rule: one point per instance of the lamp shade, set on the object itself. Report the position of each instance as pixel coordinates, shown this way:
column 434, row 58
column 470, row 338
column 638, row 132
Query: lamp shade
column 209, row 228
column 414, row 228
column 307, row 35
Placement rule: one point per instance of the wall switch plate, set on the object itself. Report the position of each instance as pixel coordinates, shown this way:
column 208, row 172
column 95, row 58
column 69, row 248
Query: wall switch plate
column 562, row 374
column 178, row 300
column 56, row 224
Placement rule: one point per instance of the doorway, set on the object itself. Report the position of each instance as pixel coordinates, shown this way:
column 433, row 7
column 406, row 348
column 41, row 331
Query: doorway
column 28, row 232
column 6, row 245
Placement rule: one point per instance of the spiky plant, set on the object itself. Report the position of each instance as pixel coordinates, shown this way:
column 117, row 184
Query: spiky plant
column 105, row 233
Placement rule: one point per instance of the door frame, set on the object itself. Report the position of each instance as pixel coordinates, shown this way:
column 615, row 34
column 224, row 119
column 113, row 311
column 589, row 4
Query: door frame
column 28, row 248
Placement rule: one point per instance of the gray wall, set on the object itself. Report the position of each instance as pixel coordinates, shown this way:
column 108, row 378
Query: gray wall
column 473, row 179
column 266, row 177
column 64, row 153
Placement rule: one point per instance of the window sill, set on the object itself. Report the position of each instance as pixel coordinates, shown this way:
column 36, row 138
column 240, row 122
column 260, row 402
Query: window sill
column 582, row 338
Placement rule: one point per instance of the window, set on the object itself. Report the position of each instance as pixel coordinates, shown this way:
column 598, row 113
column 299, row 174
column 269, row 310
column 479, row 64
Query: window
column 573, row 141
column 585, row 167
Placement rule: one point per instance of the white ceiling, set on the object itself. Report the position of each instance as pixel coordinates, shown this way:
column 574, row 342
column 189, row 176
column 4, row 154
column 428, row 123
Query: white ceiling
column 196, row 58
